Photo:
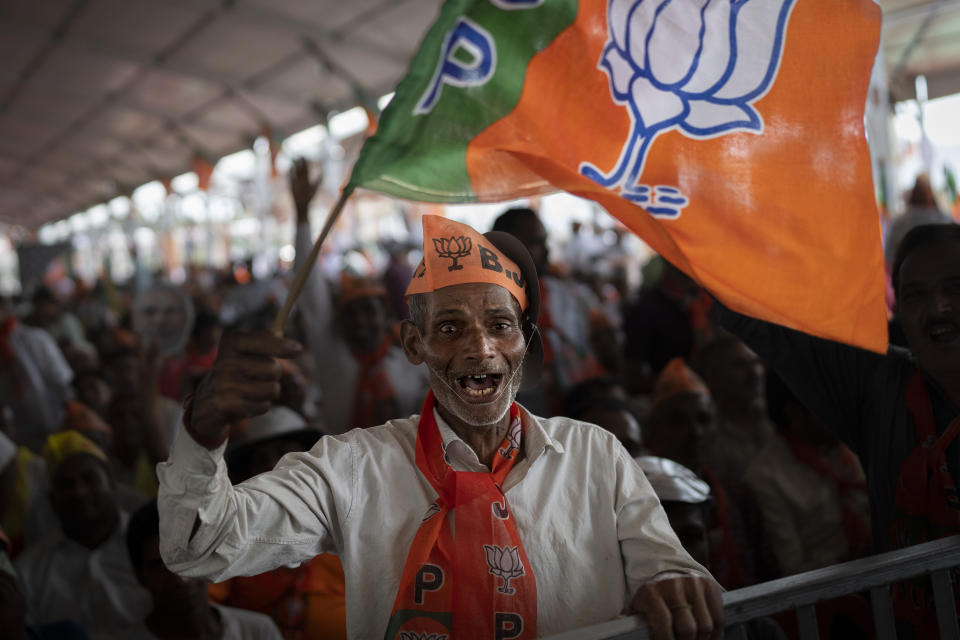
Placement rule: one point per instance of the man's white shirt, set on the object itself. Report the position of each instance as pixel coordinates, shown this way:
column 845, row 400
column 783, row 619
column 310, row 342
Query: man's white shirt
column 591, row 525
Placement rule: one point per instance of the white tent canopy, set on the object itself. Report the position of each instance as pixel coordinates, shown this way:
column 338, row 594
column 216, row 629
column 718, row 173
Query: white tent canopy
column 100, row 96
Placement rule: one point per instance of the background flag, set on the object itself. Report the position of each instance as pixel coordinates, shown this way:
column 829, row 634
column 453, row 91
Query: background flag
column 728, row 134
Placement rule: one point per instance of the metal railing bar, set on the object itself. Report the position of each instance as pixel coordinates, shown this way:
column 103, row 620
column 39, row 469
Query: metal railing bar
column 883, row 622
column 946, row 606
column 837, row 580
column 627, row 628
column 807, row 623
column 872, row 574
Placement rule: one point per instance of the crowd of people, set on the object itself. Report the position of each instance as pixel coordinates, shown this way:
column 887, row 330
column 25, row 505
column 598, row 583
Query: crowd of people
column 771, row 452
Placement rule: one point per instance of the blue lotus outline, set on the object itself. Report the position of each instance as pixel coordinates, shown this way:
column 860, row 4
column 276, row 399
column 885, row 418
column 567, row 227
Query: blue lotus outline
column 634, row 153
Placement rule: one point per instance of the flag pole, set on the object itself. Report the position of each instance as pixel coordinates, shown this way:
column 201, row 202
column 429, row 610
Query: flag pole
column 307, row 266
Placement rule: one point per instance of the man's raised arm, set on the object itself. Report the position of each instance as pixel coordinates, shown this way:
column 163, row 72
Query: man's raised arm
column 210, row 528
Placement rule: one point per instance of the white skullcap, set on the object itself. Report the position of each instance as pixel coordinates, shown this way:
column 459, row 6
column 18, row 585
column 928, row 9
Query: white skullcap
column 278, row 421
column 673, row 482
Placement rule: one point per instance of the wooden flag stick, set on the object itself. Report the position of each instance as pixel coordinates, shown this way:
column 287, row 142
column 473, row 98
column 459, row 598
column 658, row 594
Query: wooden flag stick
column 307, row 266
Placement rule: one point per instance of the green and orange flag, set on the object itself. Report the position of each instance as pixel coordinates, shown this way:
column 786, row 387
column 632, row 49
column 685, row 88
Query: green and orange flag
column 728, row 134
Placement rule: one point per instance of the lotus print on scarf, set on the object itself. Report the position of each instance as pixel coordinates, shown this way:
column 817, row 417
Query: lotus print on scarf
column 505, row 563
column 695, row 66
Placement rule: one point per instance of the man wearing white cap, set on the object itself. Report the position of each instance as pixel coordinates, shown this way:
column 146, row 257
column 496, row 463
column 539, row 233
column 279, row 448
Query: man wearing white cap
column 687, row 500
column 474, row 519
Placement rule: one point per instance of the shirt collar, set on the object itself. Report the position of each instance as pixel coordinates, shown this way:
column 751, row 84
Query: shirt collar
column 463, row 458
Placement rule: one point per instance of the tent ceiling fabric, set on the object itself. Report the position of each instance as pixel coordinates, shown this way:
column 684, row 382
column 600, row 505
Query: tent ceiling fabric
column 100, row 96
column 922, row 37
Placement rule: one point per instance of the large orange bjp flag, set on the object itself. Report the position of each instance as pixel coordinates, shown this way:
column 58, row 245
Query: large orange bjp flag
column 728, row 134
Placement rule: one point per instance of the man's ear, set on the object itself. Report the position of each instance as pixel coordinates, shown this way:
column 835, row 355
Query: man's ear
column 411, row 342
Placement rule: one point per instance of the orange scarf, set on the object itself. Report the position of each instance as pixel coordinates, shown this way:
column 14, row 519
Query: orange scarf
column 479, row 585
column 725, row 561
column 927, row 506
column 373, row 397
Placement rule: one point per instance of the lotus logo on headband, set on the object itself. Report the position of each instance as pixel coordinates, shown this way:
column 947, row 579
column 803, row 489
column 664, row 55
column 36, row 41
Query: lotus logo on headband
column 454, row 248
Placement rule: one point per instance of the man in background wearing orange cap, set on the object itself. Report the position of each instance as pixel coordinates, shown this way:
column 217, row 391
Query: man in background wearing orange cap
column 735, row 376
column 555, row 526
column 361, row 372
column 81, row 570
column 682, row 427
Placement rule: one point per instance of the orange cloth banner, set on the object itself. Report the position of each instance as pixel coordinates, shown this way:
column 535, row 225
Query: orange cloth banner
column 727, row 134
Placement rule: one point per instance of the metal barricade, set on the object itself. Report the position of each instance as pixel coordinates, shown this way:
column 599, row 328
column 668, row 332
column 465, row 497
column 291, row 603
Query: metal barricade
column 802, row 591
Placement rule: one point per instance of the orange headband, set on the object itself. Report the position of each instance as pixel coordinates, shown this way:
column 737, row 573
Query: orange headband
column 677, row 378
column 454, row 253
column 353, row 288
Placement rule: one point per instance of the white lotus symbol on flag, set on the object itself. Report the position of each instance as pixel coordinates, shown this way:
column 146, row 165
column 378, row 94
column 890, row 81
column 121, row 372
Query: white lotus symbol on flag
column 504, row 562
column 692, row 65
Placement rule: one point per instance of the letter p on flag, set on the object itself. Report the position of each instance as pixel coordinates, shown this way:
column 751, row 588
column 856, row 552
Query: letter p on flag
column 728, row 135
column 469, row 59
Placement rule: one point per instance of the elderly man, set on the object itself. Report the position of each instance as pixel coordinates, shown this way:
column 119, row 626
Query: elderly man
column 735, row 377
column 682, row 426
column 556, row 526
column 80, row 570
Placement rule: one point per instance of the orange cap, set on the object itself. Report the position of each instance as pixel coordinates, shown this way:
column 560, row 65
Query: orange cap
column 454, row 253
column 353, row 287
column 80, row 417
column 675, row 379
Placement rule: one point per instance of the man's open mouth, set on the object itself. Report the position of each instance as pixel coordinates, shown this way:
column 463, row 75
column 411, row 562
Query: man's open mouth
column 480, row 386
column 943, row 332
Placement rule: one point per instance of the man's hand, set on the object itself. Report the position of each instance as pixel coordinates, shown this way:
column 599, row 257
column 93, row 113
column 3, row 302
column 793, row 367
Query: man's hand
column 683, row 608
column 301, row 187
column 243, row 382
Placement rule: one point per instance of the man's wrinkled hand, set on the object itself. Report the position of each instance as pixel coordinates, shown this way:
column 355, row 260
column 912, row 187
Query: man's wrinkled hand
column 683, row 608
column 243, row 382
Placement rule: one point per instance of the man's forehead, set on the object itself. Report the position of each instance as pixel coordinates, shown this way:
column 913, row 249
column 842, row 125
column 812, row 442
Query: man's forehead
column 474, row 295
